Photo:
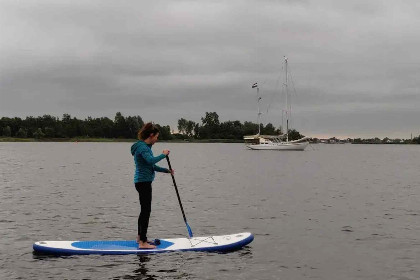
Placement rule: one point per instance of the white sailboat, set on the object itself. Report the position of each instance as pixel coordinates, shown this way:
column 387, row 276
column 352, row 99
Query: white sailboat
column 275, row 142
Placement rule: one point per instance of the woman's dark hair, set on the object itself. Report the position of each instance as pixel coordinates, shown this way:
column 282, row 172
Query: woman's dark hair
column 146, row 130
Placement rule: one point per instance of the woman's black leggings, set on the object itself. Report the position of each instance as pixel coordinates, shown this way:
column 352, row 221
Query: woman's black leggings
column 145, row 196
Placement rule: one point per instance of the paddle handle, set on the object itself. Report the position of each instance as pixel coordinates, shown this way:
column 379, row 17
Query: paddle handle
column 179, row 198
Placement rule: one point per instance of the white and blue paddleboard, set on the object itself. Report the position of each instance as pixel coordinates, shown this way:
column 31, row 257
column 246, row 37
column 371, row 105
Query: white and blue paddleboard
column 205, row 243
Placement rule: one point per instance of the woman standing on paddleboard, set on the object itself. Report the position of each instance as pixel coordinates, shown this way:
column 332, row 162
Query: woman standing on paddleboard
column 144, row 176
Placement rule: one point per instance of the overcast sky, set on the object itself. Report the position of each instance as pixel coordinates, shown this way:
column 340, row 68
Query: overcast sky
column 355, row 64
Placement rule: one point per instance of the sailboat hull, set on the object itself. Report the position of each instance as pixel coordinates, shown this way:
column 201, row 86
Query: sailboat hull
column 280, row 146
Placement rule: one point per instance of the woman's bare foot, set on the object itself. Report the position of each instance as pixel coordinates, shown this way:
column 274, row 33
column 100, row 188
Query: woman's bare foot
column 145, row 245
column 148, row 241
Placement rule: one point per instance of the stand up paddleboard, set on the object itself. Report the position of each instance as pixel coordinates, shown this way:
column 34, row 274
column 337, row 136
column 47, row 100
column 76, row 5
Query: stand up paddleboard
column 219, row 243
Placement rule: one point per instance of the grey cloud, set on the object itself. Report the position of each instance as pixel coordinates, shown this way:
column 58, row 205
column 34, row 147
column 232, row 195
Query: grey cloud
column 170, row 59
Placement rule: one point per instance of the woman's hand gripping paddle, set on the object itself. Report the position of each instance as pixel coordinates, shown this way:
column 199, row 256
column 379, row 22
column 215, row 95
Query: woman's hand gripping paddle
column 179, row 199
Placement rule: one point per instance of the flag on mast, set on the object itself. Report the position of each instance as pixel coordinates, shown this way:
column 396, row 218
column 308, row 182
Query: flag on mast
column 255, row 85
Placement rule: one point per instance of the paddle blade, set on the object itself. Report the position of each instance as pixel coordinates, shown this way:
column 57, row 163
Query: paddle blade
column 189, row 230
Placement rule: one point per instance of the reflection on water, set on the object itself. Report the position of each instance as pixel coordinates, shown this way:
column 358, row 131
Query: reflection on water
column 141, row 272
column 45, row 256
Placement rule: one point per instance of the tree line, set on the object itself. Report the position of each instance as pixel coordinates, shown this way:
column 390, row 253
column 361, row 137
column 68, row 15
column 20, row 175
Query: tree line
column 211, row 127
column 386, row 140
column 48, row 126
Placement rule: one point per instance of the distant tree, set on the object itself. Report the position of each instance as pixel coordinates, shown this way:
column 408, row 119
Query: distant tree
column 7, row 132
column 294, row 135
column 210, row 127
column 121, row 129
column 21, row 133
column 6, row 122
column 226, row 130
column 236, row 130
column 231, row 130
column 39, row 134
column 87, row 127
column 189, row 129
column 211, row 119
column 59, row 130
column 197, row 130
column 66, row 118
column 13, row 123
column 164, row 132
column 182, row 126
column 140, row 122
column 250, row 128
column 107, row 126
column 49, row 132
column 48, row 121
column 133, row 124
column 71, row 126
column 269, row 129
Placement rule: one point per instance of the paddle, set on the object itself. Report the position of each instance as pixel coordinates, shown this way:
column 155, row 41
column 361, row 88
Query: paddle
column 179, row 199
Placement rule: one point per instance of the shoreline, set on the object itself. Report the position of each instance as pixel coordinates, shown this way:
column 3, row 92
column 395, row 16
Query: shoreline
column 113, row 140
column 116, row 140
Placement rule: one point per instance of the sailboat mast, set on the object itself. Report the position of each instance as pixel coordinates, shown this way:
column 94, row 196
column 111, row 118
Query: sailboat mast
column 287, row 104
column 258, row 111
column 282, row 122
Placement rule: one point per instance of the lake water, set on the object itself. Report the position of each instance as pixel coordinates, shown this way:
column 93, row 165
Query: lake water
column 330, row 212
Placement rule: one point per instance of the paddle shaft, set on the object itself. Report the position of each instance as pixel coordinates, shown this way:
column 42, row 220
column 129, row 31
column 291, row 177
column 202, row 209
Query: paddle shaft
column 179, row 198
